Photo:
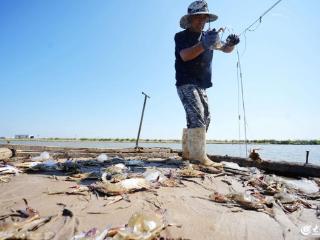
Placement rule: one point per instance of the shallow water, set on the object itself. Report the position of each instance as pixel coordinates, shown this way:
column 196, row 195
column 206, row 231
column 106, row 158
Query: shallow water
column 293, row 153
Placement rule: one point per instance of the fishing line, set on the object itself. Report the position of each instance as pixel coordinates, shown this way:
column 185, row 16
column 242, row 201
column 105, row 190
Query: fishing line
column 239, row 72
column 239, row 115
column 258, row 25
column 245, row 45
column 240, row 77
column 259, row 19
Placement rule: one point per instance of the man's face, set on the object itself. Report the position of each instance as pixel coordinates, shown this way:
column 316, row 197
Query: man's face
column 198, row 22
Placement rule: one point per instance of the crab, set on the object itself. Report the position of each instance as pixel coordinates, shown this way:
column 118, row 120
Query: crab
column 83, row 176
column 115, row 173
column 218, row 197
column 75, row 190
column 254, row 201
column 116, row 169
column 246, row 200
column 289, row 202
column 266, row 184
column 142, row 226
column 122, row 187
column 69, row 166
column 171, row 182
column 190, row 172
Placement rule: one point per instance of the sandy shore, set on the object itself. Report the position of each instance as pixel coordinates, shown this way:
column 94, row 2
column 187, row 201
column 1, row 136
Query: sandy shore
column 187, row 209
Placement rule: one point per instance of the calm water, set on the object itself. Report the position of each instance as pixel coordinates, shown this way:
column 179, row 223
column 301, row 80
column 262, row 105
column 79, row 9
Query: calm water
column 293, row 153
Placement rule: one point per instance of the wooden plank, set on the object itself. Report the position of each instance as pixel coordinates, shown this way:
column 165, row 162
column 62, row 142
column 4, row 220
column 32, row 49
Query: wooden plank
column 283, row 168
column 87, row 150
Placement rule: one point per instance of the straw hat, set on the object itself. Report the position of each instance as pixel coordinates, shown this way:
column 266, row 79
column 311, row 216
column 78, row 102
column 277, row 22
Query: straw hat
column 196, row 8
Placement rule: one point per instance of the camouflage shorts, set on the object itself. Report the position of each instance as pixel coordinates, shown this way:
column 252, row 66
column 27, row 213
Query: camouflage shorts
column 195, row 103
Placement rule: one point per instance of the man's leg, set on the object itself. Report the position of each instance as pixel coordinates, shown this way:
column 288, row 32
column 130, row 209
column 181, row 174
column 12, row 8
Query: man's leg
column 190, row 96
column 195, row 102
column 204, row 99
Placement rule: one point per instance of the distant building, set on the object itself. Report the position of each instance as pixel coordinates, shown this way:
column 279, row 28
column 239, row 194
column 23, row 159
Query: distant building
column 2, row 137
column 21, row 136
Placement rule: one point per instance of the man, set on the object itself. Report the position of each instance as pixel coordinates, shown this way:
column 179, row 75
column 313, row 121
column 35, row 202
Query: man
column 194, row 52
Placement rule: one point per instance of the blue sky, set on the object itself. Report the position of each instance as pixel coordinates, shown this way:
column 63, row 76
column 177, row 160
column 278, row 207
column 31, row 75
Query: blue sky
column 77, row 69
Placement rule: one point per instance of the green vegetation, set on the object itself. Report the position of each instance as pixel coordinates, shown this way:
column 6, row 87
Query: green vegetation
column 270, row 141
column 293, row 142
column 262, row 141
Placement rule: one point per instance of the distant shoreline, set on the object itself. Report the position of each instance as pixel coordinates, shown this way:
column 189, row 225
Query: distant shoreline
column 130, row 140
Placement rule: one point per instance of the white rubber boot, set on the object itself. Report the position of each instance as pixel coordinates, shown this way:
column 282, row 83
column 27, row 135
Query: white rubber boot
column 197, row 147
column 185, row 144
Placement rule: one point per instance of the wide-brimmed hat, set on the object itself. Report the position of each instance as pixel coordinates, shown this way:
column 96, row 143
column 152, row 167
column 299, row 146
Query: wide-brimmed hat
column 196, row 8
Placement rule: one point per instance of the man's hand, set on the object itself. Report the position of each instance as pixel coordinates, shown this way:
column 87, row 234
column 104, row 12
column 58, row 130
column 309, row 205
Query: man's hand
column 209, row 38
column 232, row 40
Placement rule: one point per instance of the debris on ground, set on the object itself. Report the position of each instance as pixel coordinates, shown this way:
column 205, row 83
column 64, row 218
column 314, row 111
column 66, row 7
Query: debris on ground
column 102, row 157
column 75, row 190
column 8, row 169
column 290, row 202
column 234, row 166
column 255, row 156
column 43, row 157
column 302, row 185
column 21, row 223
column 140, row 226
column 78, row 177
column 112, row 184
column 7, row 172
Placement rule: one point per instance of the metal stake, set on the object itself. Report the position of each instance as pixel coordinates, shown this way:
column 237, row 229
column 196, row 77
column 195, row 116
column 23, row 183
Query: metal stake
column 144, row 105
column 307, row 157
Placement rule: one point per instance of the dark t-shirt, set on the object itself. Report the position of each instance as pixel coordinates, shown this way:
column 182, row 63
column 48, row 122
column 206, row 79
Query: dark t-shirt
column 196, row 71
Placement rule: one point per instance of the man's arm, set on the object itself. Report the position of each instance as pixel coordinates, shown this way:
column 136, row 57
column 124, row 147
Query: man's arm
column 208, row 39
column 230, row 43
column 226, row 48
column 191, row 53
